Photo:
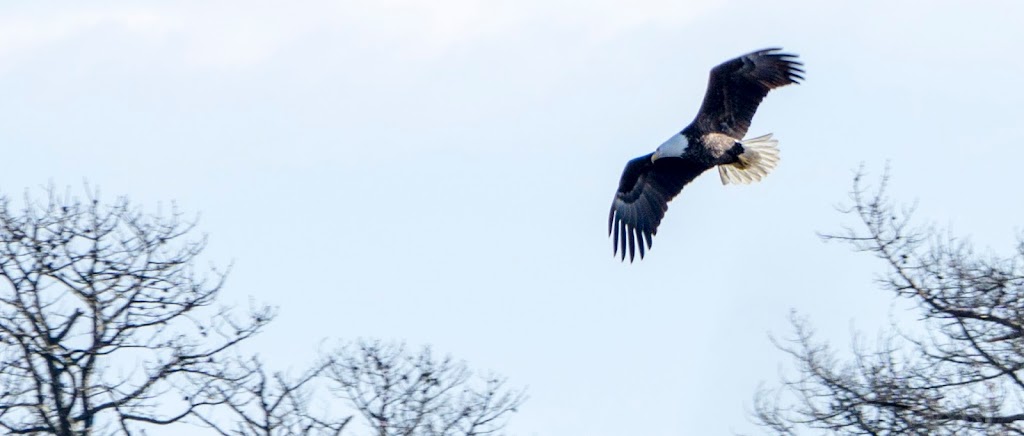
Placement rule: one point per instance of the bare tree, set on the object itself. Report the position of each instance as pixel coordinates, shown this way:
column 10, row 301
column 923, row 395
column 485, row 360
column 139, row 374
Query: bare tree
column 400, row 393
column 963, row 376
column 396, row 392
column 265, row 404
column 106, row 326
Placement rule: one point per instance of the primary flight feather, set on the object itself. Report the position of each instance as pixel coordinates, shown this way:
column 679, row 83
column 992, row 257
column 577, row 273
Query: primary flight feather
column 714, row 138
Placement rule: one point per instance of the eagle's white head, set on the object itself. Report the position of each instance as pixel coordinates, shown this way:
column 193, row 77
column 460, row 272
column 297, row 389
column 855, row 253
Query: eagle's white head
column 673, row 147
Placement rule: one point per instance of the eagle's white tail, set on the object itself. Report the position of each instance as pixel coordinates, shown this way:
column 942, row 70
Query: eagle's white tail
column 760, row 156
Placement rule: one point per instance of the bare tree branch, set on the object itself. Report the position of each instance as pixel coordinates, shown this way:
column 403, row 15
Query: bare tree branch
column 87, row 286
column 263, row 404
column 399, row 393
column 962, row 377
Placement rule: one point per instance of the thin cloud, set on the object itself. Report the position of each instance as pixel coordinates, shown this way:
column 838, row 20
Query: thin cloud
column 243, row 34
column 25, row 31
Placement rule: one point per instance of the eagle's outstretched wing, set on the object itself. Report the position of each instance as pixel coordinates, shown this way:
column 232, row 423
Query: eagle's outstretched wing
column 642, row 199
column 736, row 88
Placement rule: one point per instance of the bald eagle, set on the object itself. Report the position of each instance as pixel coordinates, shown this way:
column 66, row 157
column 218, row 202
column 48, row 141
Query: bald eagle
column 714, row 138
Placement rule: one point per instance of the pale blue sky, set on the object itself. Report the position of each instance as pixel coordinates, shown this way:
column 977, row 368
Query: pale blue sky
column 441, row 172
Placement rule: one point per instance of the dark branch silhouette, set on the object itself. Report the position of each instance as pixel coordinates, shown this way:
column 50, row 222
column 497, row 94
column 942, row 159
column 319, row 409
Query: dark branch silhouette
column 271, row 404
column 106, row 323
column 399, row 393
column 963, row 377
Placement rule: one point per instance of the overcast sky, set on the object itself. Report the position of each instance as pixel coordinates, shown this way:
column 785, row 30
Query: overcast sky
column 440, row 172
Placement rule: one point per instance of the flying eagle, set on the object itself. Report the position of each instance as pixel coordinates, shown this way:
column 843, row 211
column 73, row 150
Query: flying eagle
column 714, row 138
